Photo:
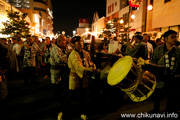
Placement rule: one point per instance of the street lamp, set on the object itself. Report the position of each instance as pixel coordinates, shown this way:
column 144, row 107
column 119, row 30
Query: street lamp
column 132, row 16
column 63, row 32
column 121, row 21
column 150, row 7
column 87, row 29
column 74, row 32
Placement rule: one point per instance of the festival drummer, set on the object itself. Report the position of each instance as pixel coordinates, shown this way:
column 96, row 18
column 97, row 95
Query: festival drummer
column 79, row 63
column 167, row 70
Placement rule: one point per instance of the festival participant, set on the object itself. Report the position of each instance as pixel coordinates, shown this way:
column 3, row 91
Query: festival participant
column 79, row 63
column 30, row 50
column 167, row 57
column 46, row 52
column 140, row 50
column 59, row 69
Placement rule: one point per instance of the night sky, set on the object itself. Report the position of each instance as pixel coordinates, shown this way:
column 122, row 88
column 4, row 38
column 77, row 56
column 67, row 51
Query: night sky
column 66, row 13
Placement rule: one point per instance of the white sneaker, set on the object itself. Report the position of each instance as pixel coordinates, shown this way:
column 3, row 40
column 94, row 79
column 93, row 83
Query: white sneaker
column 60, row 116
column 84, row 117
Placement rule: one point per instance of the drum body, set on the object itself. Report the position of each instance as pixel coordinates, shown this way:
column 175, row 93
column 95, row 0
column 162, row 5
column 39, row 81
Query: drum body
column 125, row 75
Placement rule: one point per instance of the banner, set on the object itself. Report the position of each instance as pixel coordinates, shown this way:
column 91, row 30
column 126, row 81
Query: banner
column 113, row 46
column 134, row 3
column 83, row 20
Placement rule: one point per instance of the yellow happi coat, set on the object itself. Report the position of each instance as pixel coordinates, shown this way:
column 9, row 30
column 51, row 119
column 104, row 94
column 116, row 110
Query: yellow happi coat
column 75, row 64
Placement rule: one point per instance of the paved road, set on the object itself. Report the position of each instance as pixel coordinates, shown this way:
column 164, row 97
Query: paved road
column 38, row 103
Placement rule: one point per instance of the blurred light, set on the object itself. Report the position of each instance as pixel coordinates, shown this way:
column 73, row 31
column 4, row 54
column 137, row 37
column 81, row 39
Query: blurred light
column 121, row 21
column 94, row 34
column 150, row 7
column 74, row 32
column 132, row 16
column 63, row 32
column 4, row 19
column 4, row 35
column 109, row 21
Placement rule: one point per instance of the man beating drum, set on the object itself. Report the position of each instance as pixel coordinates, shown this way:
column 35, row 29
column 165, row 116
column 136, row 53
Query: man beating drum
column 80, row 65
column 168, row 75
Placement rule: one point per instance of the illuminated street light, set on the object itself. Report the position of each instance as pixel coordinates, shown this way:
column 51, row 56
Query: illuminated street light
column 74, row 32
column 150, row 7
column 63, row 32
column 109, row 22
column 132, row 16
column 121, row 21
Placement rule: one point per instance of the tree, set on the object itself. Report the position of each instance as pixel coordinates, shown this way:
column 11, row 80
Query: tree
column 16, row 24
column 114, row 26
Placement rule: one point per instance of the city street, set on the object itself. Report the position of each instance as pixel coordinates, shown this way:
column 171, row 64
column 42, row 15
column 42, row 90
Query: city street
column 125, row 53
column 38, row 103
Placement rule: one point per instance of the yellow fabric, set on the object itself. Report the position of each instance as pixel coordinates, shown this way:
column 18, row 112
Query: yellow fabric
column 75, row 63
column 76, row 66
column 60, row 116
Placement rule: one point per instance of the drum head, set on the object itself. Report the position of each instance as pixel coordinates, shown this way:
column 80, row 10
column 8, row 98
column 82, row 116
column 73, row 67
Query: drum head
column 119, row 70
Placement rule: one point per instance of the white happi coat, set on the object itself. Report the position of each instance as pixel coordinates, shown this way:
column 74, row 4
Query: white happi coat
column 75, row 64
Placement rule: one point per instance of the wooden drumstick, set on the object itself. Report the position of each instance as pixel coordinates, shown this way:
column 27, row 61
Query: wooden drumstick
column 109, row 59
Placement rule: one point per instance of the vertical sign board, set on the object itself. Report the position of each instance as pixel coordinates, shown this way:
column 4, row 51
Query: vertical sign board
column 134, row 3
column 83, row 23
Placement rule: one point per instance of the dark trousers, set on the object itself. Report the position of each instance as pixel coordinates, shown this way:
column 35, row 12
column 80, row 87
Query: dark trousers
column 3, row 109
column 61, row 91
column 157, row 96
column 78, row 97
column 20, row 63
column 173, row 91
column 47, row 69
column 29, row 74
column 173, row 100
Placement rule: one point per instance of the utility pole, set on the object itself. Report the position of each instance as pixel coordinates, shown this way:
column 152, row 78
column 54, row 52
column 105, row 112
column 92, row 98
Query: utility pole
column 128, row 21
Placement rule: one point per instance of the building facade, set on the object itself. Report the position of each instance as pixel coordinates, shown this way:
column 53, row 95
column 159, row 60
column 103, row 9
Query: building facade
column 112, row 9
column 20, row 3
column 3, row 14
column 84, row 26
column 98, row 24
column 40, row 14
column 163, row 15
column 167, row 16
column 121, row 9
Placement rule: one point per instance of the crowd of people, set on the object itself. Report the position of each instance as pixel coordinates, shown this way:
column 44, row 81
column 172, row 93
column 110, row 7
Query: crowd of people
column 68, row 65
column 160, row 57
column 49, row 58
column 164, row 64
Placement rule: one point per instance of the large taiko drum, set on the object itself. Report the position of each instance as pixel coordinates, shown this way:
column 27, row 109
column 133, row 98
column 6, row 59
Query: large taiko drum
column 124, row 74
